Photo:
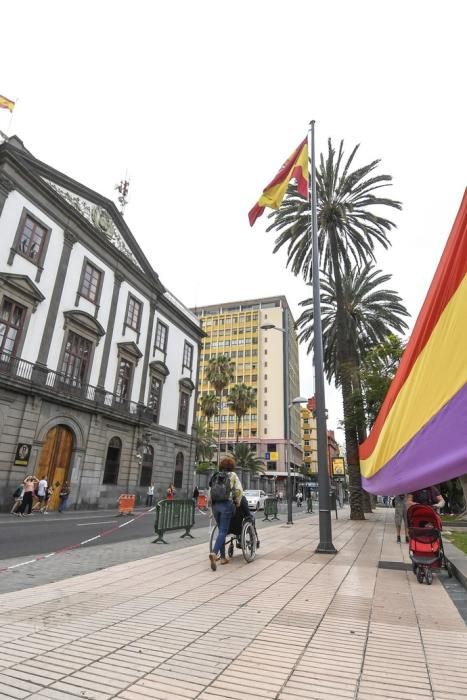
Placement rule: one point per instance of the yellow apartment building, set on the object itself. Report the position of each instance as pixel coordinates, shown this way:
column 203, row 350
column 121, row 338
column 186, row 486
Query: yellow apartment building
column 259, row 356
column 309, row 438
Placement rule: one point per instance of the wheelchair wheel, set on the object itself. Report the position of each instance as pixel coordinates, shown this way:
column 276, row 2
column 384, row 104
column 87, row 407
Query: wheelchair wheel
column 248, row 541
column 230, row 550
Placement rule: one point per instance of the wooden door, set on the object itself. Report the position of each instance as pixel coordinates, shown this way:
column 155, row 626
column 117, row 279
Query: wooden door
column 54, row 461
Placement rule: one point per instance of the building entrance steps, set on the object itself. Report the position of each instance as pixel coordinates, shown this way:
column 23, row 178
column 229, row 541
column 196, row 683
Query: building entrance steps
column 293, row 624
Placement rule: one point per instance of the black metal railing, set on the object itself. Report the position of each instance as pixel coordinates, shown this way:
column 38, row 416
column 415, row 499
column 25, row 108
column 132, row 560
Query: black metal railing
column 35, row 375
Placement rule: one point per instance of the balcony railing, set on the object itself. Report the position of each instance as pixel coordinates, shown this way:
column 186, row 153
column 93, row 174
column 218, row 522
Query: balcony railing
column 59, row 384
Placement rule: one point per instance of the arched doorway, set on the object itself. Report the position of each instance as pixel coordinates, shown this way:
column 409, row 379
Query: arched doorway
column 112, row 461
column 54, row 460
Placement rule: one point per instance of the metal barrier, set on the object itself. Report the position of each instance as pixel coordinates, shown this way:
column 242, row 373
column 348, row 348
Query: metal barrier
column 270, row 508
column 309, row 505
column 126, row 503
column 174, row 515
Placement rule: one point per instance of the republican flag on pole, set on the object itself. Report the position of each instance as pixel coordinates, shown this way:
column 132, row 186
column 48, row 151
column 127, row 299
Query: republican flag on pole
column 5, row 103
column 295, row 167
column 420, row 435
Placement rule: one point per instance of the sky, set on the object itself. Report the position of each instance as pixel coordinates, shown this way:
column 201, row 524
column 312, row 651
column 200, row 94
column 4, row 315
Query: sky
column 200, row 103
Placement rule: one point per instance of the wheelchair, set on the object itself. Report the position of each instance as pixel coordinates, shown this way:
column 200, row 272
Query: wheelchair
column 242, row 535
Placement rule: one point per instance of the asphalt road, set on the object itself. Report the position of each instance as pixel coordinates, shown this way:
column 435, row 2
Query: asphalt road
column 42, row 534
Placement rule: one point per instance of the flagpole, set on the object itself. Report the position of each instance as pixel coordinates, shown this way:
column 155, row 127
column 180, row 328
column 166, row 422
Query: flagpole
column 10, row 122
column 325, row 545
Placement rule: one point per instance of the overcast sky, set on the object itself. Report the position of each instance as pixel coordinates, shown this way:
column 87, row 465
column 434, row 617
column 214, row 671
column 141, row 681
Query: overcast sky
column 201, row 101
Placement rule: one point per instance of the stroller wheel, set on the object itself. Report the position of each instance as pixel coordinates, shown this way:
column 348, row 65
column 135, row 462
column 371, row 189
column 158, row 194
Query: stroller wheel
column 420, row 575
column 429, row 577
column 449, row 568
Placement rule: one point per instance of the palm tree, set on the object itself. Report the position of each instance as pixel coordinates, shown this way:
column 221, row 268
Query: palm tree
column 204, row 440
column 372, row 312
column 209, row 406
column 245, row 458
column 220, row 372
column 348, row 229
column 241, row 397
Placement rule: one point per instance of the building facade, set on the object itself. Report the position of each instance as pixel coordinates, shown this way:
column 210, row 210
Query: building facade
column 98, row 361
column 259, row 356
column 309, row 439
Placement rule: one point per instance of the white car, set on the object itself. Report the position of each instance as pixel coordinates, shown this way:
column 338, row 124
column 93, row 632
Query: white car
column 255, row 499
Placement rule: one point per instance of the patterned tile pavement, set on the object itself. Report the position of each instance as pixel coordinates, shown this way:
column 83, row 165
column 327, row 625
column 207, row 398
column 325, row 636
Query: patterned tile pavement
column 291, row 625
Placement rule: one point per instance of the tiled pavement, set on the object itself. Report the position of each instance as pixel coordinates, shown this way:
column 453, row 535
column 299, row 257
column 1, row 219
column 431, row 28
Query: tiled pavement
column 291, row 625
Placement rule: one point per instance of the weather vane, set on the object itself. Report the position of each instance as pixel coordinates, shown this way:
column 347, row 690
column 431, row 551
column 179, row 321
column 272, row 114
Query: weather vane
column 123, row 188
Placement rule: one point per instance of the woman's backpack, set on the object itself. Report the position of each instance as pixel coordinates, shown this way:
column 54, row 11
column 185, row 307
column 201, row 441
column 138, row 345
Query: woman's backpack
column 221, row 487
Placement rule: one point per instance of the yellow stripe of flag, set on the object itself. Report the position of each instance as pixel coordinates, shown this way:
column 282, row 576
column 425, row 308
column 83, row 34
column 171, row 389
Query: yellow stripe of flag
column 5, row 103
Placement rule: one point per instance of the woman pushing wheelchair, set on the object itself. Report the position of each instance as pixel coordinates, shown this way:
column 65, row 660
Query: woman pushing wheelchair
column 230, row 509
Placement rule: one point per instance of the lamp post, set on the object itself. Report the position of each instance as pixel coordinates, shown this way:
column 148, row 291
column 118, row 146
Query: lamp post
column 288, row 404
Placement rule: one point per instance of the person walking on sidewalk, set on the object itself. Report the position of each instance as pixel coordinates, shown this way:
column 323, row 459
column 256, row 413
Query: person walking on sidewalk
column 41, row 493
column 225, row 492
column 171, row 492
column 400, row 514
column 64, row 496
column 150, row 495
column 29, row 488
column 18, row 498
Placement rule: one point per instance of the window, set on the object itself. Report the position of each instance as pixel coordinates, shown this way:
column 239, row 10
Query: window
column 306, row 443
column 133, row 313
column 90, row 285
column 265, row 431
column 265, row 416
column 75, row 363
column 11, row 324
column 183, row 412
column 154, row 399
column 265, row 376
column 162, row 332
column 112, row 461
column 145, row 478
column 272, row 447
column 187, row 356
column 265, row 364
column 31, row 239
column 178, row 473
column 265, row 390
column 124, row 380
column 265, row 403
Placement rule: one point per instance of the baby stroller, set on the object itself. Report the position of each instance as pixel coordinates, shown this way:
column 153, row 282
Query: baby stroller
column 242, row 534
column 425, row 542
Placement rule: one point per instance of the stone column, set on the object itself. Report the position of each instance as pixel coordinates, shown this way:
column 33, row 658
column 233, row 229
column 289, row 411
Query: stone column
column 147, row 352
column 118, row 279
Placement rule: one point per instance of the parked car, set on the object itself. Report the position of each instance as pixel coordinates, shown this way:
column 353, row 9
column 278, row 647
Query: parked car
column 255, row 499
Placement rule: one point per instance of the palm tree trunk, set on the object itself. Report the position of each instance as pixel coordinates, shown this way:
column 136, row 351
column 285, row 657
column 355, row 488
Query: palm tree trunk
column 343, row 366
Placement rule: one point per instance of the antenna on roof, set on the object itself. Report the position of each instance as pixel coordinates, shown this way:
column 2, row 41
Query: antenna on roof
column 123, row 188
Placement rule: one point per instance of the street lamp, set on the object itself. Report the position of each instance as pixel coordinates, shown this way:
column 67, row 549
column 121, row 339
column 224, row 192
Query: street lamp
column 297, row 401
column 288, row 405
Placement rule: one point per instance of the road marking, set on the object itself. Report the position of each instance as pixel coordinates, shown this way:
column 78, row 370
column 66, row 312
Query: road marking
column 79, row 544
column 103, row 522
column 91, row 539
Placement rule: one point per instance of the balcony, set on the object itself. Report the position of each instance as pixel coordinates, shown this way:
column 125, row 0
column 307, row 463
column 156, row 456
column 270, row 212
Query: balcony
column 21, row 375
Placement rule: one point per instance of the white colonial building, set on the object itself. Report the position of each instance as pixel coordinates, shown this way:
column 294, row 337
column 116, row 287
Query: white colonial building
column 98, row 361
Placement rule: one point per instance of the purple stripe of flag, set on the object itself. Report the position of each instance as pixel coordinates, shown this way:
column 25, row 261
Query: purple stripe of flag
column 438, row 452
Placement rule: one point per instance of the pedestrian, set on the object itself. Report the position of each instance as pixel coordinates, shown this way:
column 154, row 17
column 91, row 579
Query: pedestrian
column 41, row 493
column 195, row 493
column 429, row 496
column 64, row 496
column 225, row 492
column 170, row 492
column 299, row 499
column 150, row 495
column 281, row 496
column 400, row 514
column 29, row 488
column 18, row 500
column 45, row 506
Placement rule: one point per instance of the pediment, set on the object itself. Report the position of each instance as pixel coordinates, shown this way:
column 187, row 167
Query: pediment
column 85, row 322
column 186, row 384
column 22, row 287
column 99, row 217
column 160, row 368
column 130, row 349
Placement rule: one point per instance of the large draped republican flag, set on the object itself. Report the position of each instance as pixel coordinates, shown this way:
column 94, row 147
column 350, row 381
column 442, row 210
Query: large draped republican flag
column 420, row 435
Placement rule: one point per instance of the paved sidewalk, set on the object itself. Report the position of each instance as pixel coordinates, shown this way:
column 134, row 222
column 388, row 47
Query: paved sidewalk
column 289, row 626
